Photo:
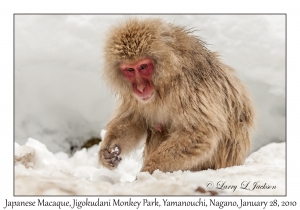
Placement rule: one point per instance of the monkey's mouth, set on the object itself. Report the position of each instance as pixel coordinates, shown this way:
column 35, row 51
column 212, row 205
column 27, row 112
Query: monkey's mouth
column 146, row 97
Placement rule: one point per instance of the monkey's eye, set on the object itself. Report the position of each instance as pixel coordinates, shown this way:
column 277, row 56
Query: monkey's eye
column 143, row 66
column 130, row 69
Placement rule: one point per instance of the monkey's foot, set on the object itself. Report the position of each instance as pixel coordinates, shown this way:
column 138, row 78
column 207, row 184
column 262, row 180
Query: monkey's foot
column 110, row 156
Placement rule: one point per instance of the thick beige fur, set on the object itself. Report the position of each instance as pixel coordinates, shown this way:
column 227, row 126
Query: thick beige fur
column 204, row 109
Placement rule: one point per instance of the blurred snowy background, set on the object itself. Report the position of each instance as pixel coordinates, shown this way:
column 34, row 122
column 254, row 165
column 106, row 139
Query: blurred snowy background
column 62, row 101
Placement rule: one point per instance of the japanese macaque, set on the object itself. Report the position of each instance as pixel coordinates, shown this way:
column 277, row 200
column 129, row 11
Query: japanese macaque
column 192, row 109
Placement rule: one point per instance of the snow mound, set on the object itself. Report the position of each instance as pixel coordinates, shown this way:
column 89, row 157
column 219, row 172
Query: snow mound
column 40, row 172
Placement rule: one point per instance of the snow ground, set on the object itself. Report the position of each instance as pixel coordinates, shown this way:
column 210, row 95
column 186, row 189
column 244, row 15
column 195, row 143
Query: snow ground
column 40, row 172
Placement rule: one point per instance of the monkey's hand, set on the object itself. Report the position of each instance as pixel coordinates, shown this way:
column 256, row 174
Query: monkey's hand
column 151, row 164
column 149, row 169
column 109, row 156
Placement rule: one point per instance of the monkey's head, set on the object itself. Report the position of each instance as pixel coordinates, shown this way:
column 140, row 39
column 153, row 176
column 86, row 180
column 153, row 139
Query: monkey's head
column 139, row 59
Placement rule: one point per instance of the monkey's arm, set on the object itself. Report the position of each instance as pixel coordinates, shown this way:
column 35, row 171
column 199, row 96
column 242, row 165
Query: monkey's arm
column 124, row 132
column 182, row 151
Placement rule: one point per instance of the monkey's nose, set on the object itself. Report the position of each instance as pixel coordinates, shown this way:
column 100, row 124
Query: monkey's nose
column 141, row 87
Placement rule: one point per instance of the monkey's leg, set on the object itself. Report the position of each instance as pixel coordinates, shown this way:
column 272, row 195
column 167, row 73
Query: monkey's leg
column 181, row 151
column 123, row 135
column 153, row 140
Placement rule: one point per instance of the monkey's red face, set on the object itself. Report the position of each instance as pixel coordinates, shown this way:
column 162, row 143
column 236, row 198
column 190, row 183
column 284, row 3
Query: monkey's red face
column 139, row 74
